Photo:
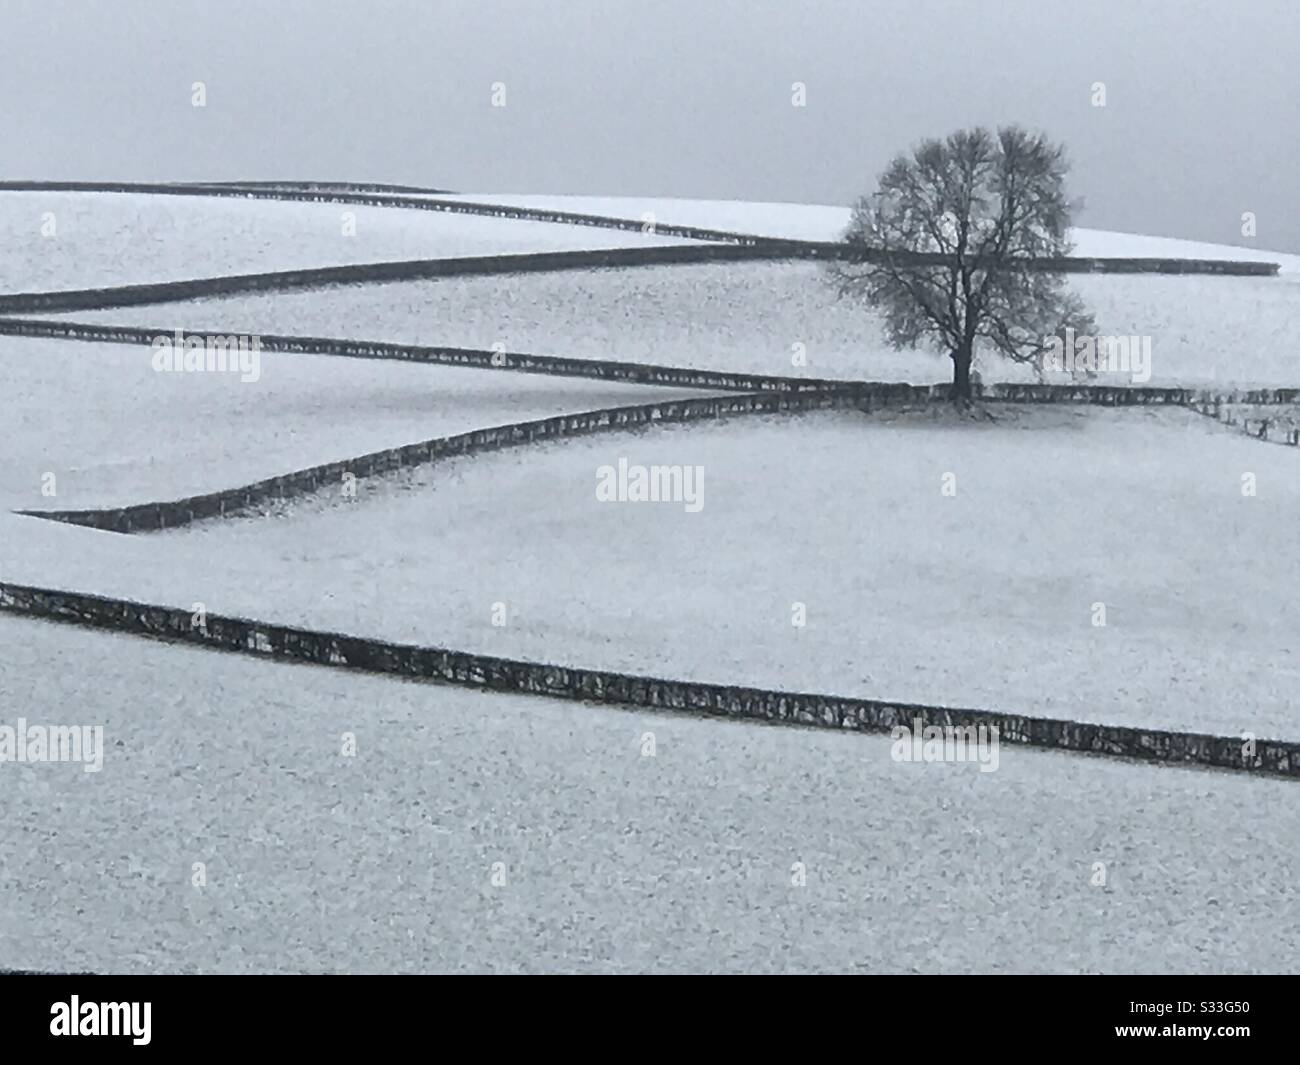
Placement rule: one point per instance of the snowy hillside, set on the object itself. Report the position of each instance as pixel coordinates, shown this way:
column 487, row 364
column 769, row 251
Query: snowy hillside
column 798, row 221
column 619, row 861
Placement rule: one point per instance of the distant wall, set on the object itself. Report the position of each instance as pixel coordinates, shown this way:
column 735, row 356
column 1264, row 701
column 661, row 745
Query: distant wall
column 566, row 682
column 1234, row 411
column 329, row 186
column 653, row 374
column 308, row 193
column 761, row 247
column 106, row 298
column 479, row 358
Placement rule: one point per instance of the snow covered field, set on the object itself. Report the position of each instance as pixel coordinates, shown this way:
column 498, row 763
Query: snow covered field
column 612, row 861
column 615, row 861
column 750, row 317
column 804, row 221
column 980, row 599
column 102, row 239
column 115, row 432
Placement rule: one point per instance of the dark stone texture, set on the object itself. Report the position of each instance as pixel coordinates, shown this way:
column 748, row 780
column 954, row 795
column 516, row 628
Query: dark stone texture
column 1274, row 757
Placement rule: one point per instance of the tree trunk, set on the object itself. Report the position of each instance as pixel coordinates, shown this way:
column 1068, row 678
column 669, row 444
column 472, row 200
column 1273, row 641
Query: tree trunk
column 961, row 360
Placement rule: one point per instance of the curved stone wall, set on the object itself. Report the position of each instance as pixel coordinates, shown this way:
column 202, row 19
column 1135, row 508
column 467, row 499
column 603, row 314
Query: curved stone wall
column 777, row 247
column 566, row 682
column 654, row 374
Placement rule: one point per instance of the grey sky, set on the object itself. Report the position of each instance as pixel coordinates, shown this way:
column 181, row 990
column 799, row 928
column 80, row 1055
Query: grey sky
column 673, row 97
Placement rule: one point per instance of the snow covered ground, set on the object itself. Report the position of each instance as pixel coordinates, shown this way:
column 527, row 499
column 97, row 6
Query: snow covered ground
column 756, row 318
column 985, row 598
column 114, row 432
column 55, row 240
column 609, row 860
column 802, row 221
column 614, row 860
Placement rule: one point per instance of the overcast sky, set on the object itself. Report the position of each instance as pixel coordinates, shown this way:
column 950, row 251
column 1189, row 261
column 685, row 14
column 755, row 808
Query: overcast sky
column 668, row 97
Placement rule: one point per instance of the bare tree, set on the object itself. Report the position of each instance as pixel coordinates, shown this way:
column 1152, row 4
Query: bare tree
column 955, row 248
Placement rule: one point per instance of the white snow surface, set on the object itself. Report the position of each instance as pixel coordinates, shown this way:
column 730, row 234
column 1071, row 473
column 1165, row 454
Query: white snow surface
column 779, row 318
column 613, row 861
column 113, row 431
column 802, row 221
column 106, row 239
column 982, row 599
column 616, row 861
